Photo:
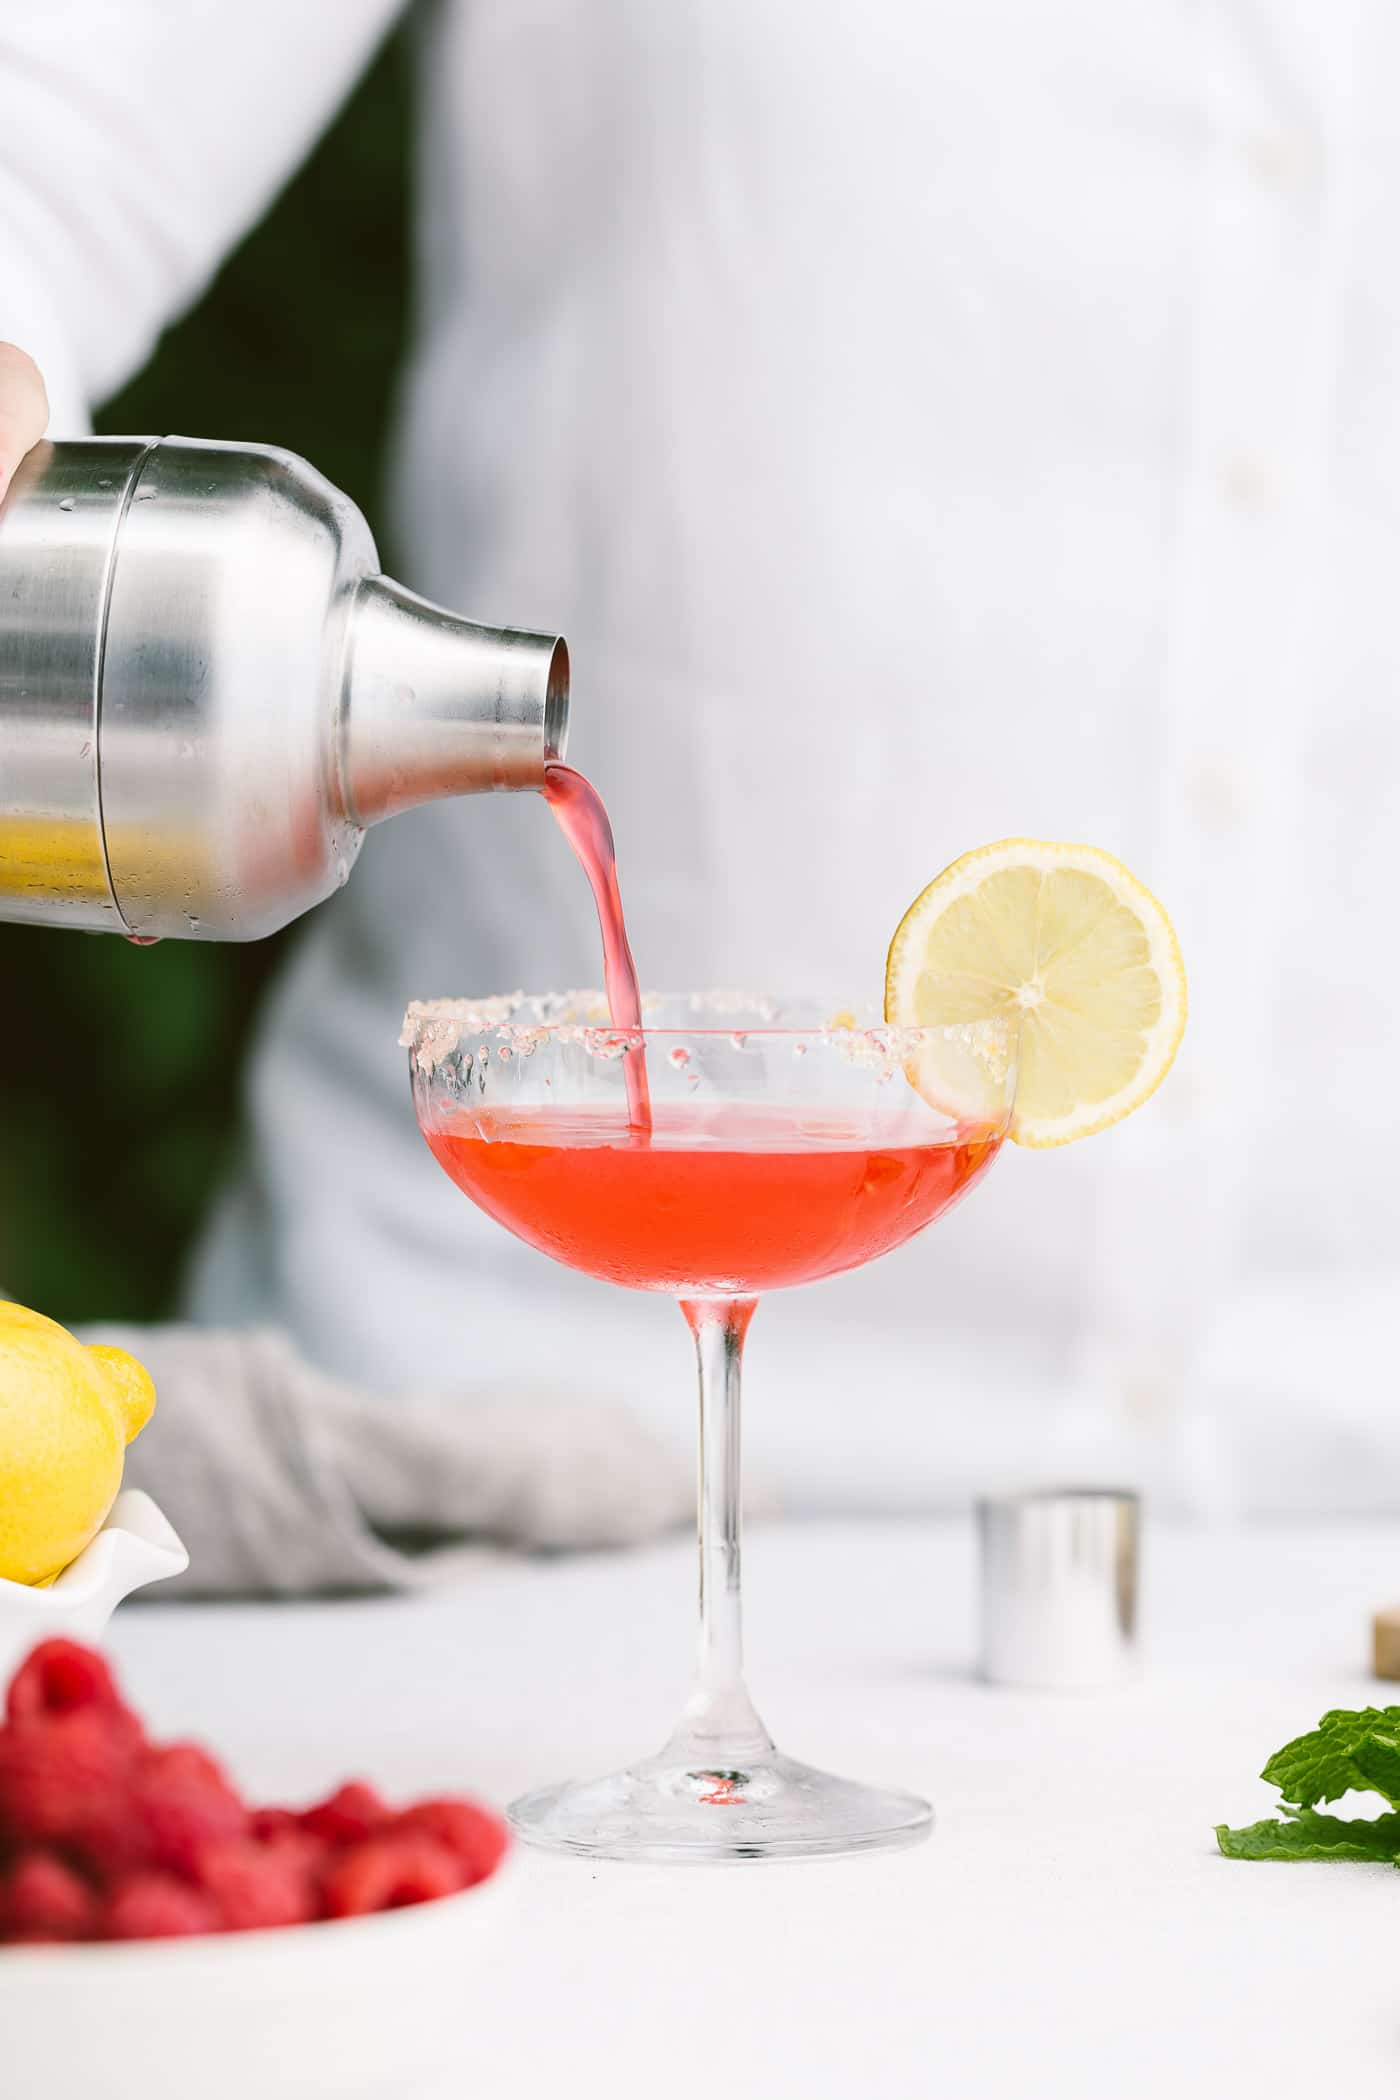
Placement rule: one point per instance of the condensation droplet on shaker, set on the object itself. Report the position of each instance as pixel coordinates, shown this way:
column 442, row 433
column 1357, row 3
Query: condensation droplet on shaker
column 65, row 503
column 679, row 1057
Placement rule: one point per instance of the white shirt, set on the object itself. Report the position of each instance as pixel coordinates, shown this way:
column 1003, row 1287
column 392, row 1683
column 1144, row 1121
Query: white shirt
column 927, row 423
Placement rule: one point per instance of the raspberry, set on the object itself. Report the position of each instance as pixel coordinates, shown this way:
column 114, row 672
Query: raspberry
column 470, row 1833
column 164, row 1833
column 157, row 1907
column 351, row 1814
column 40, row 1897
column 181, row 1800
column 255, row 1886
column 278, row 1832
column 272, row 1826
column 386, row 1873
column 58, row 1678
column 66, row 1780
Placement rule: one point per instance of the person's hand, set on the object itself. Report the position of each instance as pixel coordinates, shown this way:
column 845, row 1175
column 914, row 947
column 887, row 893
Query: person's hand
column 24, row 409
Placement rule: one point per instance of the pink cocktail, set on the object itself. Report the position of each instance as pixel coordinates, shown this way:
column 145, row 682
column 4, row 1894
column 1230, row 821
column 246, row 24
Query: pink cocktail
column 771, row 1151
column 720, row 1202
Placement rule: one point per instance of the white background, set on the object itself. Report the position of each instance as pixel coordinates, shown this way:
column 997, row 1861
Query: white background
column 1069, row 1930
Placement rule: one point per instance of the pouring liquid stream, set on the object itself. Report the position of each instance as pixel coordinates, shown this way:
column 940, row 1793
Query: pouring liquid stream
column 578, row 810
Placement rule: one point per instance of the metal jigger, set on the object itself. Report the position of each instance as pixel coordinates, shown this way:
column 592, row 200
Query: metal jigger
column 1059, row 1587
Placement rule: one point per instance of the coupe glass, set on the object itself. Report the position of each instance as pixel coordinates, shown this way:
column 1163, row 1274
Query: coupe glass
column 780, row 1150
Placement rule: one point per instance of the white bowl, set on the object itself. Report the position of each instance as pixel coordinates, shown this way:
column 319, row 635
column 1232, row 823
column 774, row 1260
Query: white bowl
column 363, row 2009
column 135, row 1546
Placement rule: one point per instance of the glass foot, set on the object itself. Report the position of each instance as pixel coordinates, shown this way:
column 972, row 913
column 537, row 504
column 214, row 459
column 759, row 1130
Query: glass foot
column 771, row 1809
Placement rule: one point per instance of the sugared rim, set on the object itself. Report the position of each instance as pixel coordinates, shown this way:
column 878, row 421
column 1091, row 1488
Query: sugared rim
column 435, row 1030
column 532, row 1014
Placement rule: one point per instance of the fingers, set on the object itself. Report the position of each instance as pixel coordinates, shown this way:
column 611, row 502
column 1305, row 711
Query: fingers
column 24, row 409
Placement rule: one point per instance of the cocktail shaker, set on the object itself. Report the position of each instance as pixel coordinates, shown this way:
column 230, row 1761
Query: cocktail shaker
column 208, row 691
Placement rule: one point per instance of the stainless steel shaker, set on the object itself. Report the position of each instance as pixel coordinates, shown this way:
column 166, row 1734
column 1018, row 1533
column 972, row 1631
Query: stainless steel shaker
column 208, row 691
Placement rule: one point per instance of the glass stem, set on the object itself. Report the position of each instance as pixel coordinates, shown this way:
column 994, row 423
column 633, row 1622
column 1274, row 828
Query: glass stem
column 720, row 1728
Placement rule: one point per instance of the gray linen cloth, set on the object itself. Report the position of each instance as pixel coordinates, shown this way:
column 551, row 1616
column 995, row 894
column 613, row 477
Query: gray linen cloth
column 283, row 1481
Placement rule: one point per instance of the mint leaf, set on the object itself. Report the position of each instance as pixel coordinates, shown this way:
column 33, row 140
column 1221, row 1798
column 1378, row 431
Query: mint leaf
column 1378, row 1758
column 1311, row 1836
column 1345, row 1751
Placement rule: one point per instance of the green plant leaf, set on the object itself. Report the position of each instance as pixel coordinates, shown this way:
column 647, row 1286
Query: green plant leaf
column 1346, row 1752
column 1311, row 1836
column 1378, row 1757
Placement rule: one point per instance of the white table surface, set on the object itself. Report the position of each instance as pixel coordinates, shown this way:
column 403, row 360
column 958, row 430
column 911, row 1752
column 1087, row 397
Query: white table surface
column 1069, row 1929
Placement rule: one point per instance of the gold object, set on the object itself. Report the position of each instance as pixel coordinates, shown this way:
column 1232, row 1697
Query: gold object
column 1385, row 1642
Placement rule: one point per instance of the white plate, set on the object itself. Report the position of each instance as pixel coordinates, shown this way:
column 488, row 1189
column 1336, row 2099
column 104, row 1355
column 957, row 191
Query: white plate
column 363, row 2009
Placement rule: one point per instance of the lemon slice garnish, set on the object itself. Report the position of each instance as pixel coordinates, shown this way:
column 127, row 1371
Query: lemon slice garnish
column 1065, row 943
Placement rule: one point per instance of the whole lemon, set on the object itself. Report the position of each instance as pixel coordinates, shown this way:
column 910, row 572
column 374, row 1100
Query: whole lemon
column 67, row 1414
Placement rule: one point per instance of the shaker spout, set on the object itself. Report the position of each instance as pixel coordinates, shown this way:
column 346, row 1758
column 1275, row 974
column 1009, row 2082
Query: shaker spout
column 432, row 705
